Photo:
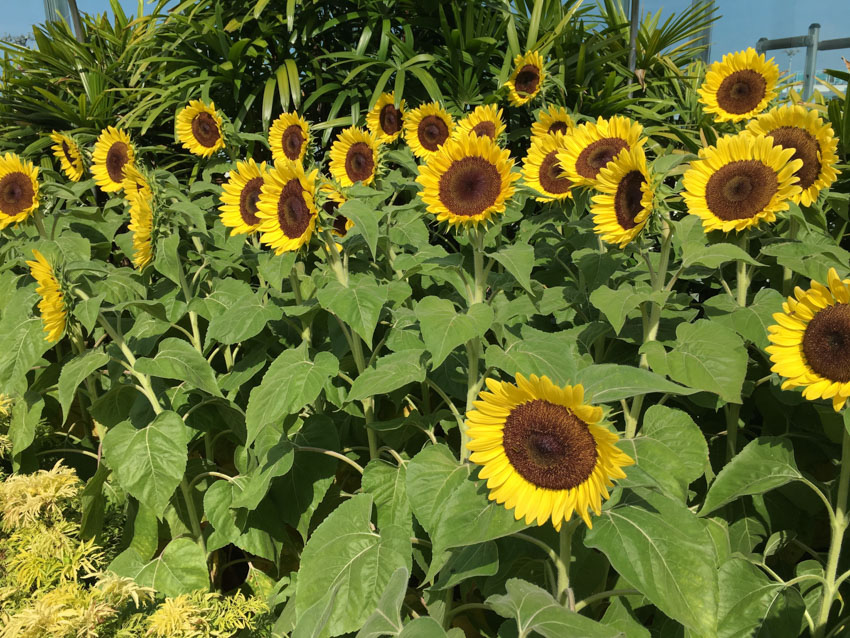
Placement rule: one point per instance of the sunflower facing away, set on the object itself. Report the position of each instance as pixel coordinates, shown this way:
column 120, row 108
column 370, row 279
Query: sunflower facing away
column 68, row 153
column 813, row 142
column 136, row 185
column 526, row 79
column 240, row 197
column 542, row 453
column 199, row 128
column 354, row 157
column 542, row 171
column 552, row 119
column 810, row 342
column 485, row 120
column 141, row 225
column 52, row 304
column 113, row 152
column 289, row 137
column 741, row 182
column 590, row 146
column 287, row 207
column 739, row 86
column 385, row 121
column 18, row 189
column 426, row 129
column 624, row 204
column 333, row 200
column 468, row 181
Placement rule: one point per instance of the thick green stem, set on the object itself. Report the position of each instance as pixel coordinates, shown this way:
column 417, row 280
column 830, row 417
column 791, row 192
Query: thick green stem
column 39, row 223
column 193, row 316
column 742, row 275
column 194, row 521
column 733, row 410
column 787, row 273
column 306, row 334
column 565, row 548
column 473, row 346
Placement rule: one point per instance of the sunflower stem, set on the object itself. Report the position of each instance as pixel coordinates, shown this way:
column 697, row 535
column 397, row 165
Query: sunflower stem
column 743, row 277
column 39, row 223
column 732, row 410
column 565, row 549
column 787, row 274
column 306, row 335
column 194, row 521
column 473, row 346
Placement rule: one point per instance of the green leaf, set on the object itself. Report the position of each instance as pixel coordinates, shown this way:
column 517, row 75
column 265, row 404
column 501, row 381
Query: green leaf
column 714, row 255
column 26, row 413
column 180, row 569
column 93, row 504
column 763, row 465
column 535, row 610
column 432, row 476
column 386, row 619
column 167, row 260
column 149, row 462
column 427, row 627
column 365, row 218
column 238, row 313
column 750, row 322
column 176, row 359
column 312, row 622
column 391, row 372
column 444, row 329
column 388, row 486
column 518, row 259
column 21, row 345
column 481, row 559
column 617, row 304
column 611, row 382
column 554, row 354
column 359, row 304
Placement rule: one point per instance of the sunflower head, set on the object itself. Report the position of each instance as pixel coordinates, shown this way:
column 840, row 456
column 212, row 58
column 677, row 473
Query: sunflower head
column 484, row 121
column 330, row 199
column 289, row 138
column 542, row 171
column 354, row 157
column 240, row 197
column 590, row 146
column 199, row 128
column 468, row 182
column 112, row 154
column 136, row 184
column 814, row 144
column 385, row 121
column 427, row 128
column 18, row 189
column 287, row 207
column 739, row 86
column 741, row 182
column 527, row 78
column 624, row 204
column 142, row 227
column 810, row 341
column 552, row 119
column 52, row 307
column 70, row 158
column 542, row 451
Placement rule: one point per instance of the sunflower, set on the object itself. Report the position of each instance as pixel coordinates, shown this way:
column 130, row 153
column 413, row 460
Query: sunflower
column 18, row 189
column 484, row 120
column 354, row 157
column 542, row 452
column 742, row 181
column 333, row 200
column 542, row 171
column 811, row 341
column 813, row 142
column 113, row 152
column 68, row 153
column 527, row 78
column 624, row 204
column 52, row 304
column 552, row 119
column 136, row 185
column 240, row 197
column 739, row 86
column 385, row 120
column 468, row 181
column 426, row 129
column 590, row 146
column 199, row 128
column 289, row 137
column 287, row 207
column 141, row 225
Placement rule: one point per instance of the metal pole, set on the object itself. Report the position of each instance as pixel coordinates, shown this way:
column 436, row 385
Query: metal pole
column 705, row 37
column 633, row 33
column 811, row 60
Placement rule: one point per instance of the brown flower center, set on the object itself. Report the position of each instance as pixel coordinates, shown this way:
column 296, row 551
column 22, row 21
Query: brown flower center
column 627, row 199
column 485, row 129
column 548, row 445
column 558, row 127
column 826, row 343
column 66, row 150
column 205, row 130
column 740, row 190
column 116, row 158
column 551, row 175
column 291, row 141
column 390, row 119
column 248, row 199
column 16, row 193
column 741, row 91
column 470, row 186
column 527, row 79
column 359, row 163
column 341, row 225
column 805, row 147
column 293, row 215
column 432, row 132
column 597, row 155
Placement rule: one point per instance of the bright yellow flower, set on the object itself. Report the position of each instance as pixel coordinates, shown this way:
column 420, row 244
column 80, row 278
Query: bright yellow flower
column 527, row 78
column 52, row 305
column 199, row 128
column 68, row 153
column 739, row 86
column 18, row 189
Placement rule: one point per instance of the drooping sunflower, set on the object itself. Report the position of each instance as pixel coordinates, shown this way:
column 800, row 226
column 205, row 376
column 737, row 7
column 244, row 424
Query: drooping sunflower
column 113, row 152
column 241, row 195
column 542, row 171
column 354, row 157
column 287, row 207
column 624, row 204
column 468, row 181
column 527, row 78
column 385, row 121
column 427, row 128
column 52, row 304
column 739, row 86
column 199, row 128
column 18, row 189
column 136, row 185
column 552, row 119
column 289, row 138
column 590, row 146
column 813, row 141
column 68, row 153
column 810, row 342
column 334, row 198
column 542, row 452
column 741, row 182
column 141, row 225
column 485, row 120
